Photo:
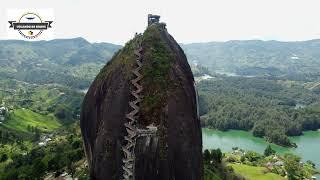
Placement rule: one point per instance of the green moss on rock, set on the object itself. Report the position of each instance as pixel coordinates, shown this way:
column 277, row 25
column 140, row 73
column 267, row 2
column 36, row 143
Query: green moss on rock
column 157, row 62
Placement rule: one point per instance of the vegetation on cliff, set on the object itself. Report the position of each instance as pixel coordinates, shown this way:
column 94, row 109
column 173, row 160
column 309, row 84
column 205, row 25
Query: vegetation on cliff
column 158, row 59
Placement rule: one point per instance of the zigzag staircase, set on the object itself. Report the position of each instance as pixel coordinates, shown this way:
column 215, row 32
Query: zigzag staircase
column 133, row 132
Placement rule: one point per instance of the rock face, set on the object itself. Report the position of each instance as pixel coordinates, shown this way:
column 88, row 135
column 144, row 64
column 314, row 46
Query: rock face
column 169, row 103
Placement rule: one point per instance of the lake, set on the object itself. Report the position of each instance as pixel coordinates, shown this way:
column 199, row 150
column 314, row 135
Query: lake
column 308, row 144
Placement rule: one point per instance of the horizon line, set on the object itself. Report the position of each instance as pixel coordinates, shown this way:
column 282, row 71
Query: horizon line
column 184, row 43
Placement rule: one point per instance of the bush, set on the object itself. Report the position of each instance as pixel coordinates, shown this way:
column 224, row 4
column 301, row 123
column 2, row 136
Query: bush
column 63, row 112
column 216, row 155
column 3, row 157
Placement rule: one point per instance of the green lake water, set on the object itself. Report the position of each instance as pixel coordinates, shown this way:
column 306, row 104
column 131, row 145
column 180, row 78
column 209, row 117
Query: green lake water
column 308, row 144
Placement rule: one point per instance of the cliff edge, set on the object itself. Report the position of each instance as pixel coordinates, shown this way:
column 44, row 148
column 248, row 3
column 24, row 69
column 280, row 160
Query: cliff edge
column 167, row 102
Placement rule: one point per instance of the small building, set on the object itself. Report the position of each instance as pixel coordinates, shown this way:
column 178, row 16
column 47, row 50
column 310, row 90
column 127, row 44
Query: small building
column 153, row 19
column 279, row 163
column 275, row 157
column 42, row 144
column 3, row 111
column 269, row 164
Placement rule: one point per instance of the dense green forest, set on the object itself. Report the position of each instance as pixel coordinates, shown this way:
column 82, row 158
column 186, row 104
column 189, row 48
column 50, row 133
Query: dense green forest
column 272, row 109
column 64, row 153
column 40, row 82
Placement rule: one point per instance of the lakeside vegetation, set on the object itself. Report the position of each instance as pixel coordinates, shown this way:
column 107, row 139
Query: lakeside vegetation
column 240, row 164
column 257, row 173
column 268, row 108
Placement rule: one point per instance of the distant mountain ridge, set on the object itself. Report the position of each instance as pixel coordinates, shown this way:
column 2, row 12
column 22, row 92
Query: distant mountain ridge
column 248, row 56
column 60, row 50
column 75, row 62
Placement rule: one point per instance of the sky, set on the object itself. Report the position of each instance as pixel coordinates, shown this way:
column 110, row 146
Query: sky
column 189, row 21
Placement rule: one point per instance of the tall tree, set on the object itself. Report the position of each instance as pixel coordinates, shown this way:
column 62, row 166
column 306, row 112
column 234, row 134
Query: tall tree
column 269, row 151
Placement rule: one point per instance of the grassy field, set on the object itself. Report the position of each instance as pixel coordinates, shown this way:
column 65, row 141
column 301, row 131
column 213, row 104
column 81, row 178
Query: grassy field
column 20, row 119
column 255, row 173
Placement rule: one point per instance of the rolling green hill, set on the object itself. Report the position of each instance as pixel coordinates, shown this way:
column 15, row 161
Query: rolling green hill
column 31, row 106
column 22, row 119
column 70, row 62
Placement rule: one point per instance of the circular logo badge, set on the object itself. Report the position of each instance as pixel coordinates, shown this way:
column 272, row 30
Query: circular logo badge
column 30, row 18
